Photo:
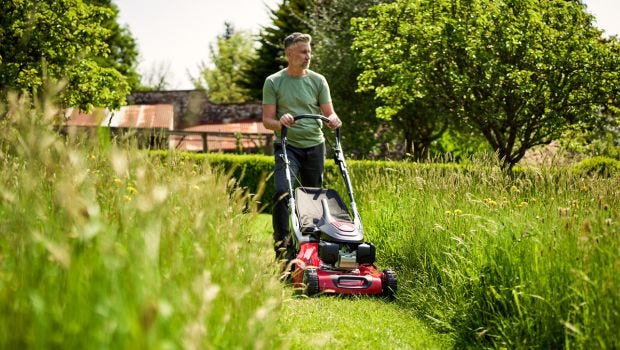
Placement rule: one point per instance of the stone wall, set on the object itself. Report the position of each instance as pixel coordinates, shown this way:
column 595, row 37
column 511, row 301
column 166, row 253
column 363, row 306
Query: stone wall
column 192, row 107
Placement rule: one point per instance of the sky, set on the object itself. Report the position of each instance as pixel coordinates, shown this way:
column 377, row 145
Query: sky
column 176, row 33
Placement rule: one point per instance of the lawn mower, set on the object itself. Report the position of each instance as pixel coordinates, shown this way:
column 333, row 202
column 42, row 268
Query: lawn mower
column 330, row 254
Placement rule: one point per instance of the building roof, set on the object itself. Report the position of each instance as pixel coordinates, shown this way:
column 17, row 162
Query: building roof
column 77, row 118
column 159, row 116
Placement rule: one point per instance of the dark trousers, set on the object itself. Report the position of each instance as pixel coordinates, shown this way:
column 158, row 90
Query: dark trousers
column 306, row 166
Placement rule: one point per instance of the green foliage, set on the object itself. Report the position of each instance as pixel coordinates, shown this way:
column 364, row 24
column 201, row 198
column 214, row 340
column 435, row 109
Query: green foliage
column 123, row 51
column 112, row 249
column 422, row 116
column 66, row 40
column 333, row 57
column 518, row 71
column 601, row 166
column 459, row 145
column 235, row 49
column 601, row 140
column 289, row 17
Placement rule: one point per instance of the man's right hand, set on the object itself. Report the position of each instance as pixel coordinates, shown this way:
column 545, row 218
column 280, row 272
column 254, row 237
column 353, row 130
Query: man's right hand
column 287, row 120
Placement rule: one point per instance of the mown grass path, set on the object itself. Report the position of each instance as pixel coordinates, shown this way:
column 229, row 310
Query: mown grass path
column 334, row 322
column 328, row 322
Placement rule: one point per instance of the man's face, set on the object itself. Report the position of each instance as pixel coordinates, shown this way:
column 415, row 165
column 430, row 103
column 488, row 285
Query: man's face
column 299, row 55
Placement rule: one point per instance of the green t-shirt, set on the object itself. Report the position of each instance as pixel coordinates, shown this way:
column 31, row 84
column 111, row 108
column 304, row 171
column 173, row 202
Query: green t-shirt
column 298, row 95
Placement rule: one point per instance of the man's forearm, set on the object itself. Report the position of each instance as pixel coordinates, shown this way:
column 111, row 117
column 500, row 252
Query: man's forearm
column 272, row 124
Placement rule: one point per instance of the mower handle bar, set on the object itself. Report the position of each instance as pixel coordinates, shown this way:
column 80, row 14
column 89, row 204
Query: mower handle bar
column 311, row 116
column 283, row 131
column 338, row 158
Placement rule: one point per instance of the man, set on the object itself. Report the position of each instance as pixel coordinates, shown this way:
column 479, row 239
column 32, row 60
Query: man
column 292, row 91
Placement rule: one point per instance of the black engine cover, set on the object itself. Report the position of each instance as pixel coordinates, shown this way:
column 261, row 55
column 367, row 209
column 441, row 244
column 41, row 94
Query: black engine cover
column 366, row 253
column 328, row 252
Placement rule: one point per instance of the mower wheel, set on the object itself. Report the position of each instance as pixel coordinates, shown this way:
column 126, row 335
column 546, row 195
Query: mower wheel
column 311, row 281
column 389, row 284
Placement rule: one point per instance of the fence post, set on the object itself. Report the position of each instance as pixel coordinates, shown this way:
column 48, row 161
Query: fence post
column 269, row 144
column 205, row 146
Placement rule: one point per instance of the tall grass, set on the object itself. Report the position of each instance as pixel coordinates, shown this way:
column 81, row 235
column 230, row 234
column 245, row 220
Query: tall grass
column 104, row 247
column 500, row 261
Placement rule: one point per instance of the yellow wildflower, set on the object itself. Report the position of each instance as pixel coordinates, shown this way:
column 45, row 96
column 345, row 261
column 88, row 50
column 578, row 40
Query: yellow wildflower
column 490, row 202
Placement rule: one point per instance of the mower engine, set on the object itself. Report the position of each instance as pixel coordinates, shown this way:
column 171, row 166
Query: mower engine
column 346, row 256
column 347, row 261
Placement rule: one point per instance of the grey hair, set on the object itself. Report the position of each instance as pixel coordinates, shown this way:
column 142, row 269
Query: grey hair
column 296, row 38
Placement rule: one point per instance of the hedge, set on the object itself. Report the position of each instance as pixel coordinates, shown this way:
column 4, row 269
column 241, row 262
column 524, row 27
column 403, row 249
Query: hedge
column 597, row 166
column 253, row 173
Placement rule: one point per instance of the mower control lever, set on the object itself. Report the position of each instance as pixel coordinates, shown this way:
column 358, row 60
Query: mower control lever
column 311, row 116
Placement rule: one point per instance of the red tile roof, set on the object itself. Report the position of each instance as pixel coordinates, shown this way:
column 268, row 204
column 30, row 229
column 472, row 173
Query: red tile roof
column 142, row 116
column 135, row 116
column 77, row 118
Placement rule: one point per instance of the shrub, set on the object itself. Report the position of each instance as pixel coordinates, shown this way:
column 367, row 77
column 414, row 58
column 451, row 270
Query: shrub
column 601, row 166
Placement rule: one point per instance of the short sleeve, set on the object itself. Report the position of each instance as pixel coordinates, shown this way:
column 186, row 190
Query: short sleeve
column 269, row 92
column 324, row 94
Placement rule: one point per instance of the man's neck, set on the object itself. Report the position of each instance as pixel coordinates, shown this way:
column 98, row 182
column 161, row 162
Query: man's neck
column 296, row 72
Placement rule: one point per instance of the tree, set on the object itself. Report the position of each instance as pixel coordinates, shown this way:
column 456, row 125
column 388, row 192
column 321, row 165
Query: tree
column 230, row 56
column 333, row 57
column 519, row 71
column 422, row 116
column 123, row 51
column 288, row 18
column 62, row 40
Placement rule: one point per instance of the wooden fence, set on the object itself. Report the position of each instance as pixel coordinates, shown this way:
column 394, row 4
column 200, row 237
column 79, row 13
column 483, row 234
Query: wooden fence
column 194, row 141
